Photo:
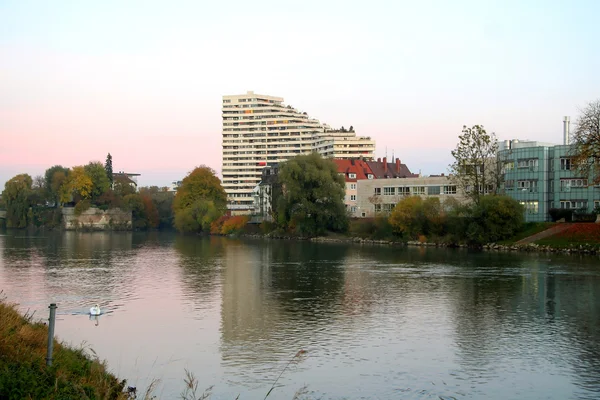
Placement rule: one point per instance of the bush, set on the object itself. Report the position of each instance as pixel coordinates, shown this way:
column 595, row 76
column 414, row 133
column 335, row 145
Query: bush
column 372, row 228
column 234, row 225
column 560, row 213
column 495, row 218
column 82, row 206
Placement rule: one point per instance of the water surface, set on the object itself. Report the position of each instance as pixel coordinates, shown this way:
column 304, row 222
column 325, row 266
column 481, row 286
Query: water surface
column 376, row 322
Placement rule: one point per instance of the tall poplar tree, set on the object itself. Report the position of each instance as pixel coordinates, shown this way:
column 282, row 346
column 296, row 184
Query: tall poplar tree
column 109, row 169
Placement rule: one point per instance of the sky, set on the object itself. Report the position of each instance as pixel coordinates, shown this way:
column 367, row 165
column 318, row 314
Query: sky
column 143, row 80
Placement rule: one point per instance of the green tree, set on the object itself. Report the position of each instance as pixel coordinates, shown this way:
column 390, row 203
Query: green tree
column 199, row 200
column 197, row 217
column 586, row 141
column 100, row 183
column 108, row 169
column 55, row 177
column 475, row 168
column 495, row 218
column 312, row 200
column 16, row 197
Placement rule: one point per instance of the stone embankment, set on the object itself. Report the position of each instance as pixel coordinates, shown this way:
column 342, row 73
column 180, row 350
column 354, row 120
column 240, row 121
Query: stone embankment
column 529, row 247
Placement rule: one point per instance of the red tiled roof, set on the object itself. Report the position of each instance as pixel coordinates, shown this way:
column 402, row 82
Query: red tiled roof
column 352, row 166
column 384, row 169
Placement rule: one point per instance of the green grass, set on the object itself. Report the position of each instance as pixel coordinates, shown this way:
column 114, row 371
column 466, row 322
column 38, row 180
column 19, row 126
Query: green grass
column 529, row 229
column 23, row 370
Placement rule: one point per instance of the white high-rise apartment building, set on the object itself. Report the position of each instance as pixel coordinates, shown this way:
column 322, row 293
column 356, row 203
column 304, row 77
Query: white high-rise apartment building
column 260, row 130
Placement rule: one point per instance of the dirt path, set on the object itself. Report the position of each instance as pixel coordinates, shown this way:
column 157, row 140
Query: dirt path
column 544, row 234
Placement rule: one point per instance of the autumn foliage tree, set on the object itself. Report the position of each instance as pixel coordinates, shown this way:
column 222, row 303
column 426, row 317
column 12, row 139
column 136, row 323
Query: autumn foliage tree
column 199, row 201
column 586, row 141
column 414, row 216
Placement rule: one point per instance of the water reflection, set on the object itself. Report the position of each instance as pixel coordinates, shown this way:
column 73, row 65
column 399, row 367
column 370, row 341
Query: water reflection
column 377, row 322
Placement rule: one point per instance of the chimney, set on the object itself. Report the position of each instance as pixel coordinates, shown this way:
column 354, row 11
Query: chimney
column 378, row 159
column 566, row 128
column 385, row 165
column 397, row 165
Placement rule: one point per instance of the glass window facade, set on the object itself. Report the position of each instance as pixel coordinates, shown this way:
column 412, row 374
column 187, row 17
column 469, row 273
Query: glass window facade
column 542, row 177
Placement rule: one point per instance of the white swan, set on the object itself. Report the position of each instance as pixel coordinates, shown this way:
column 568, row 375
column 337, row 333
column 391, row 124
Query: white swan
column 95, row 310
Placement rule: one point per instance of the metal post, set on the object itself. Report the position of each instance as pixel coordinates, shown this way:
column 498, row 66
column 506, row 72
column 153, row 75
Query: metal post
column 51, row 321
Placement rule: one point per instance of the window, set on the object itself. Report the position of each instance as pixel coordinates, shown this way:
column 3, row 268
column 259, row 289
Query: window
column 527, row 185
column 529, row 163
column 531, row 206
column 353, row 209
column 418, row 190
column 353, row 186
column 573, row 204
column 565, row 164
column 508, row 166
column 403, row 191
column 509, row 184
column 377, row 207
column 567, row 184
column 352, row 197
column 369, row 176
column 596, row 204
column 352, row 176
column 433, row 190
column 377, row 192
column 388, row 207
column 450, row 189
column 226, row 101
column 363, row 214
column 389, row 191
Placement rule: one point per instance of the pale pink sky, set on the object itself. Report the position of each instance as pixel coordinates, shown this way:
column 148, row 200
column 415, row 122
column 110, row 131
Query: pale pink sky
column 144, row 80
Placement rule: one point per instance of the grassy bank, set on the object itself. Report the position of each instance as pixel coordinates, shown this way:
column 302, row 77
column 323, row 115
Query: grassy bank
column 579, row 234
column 23, row 370
column 528, row 229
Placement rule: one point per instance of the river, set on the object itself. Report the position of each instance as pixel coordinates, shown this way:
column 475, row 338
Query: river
column 375, row 322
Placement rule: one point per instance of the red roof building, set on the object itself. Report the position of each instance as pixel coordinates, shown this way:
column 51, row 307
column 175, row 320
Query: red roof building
column 353, row 170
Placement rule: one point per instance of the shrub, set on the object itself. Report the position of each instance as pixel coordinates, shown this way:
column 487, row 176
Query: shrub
column 560, row 213
column 217, row 224
column 82, row 206
column 234, row 225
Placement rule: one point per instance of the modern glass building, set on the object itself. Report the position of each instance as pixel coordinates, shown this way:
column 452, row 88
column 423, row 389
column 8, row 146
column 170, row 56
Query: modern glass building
column 540, row 176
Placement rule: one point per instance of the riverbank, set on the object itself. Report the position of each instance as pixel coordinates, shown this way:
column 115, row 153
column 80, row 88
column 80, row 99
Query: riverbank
column 24, row 374
column 566, row 243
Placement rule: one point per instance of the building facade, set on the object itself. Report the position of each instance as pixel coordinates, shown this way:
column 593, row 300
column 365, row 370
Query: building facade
column 353, row 170
column 541, row 177
column 260, row 130
column 380, row 196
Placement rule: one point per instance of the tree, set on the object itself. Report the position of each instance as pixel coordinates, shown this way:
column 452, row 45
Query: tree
column 16, row 197
column 77, row 187
column 312, row 199
column 414, row 216
column 495, row 218
column 475, row 166
column 199, row 200
column 108, row 168
column 100, row 183
column 122, row 186
column 55, row 177
column 586, row 141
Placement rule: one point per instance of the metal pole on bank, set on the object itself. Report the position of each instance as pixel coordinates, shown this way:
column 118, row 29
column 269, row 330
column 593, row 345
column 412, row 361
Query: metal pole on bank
column 51, row 322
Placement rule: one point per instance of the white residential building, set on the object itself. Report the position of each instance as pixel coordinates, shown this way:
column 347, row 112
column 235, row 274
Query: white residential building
column 380, row 196
column 260, row 130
